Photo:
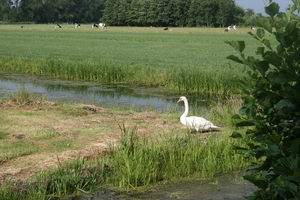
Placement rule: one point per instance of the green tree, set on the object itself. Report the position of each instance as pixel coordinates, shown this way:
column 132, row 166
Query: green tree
column 271, row 109
column 5, row 10
column 108, row 12
column 180, row 12
column 31, row 10
column 238, row 16
column 164, row 9
column 121, row 9
column 225, row 13
column 195, row 14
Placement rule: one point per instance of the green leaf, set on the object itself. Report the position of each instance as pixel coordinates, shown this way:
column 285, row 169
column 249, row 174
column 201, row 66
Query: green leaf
column 276, row 138
column 273, row 149
column 236, row 116
column 248, row 101
column 260, row 50
column 295, row 148
column 265, row 24
column 290, row 27
column 284, row 103
column 260, row 33
column 262, row 67
column 248, row 109
column 244, row 123
column 272, row 58
column 272, row 9
column 267, row 43
column 235, row 59
column 238, row 45
column 236, row 135
column 286, row 16
column 259, row 183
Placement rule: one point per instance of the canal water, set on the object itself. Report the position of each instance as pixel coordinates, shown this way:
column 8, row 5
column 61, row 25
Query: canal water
column 105, row 95
column 225, row 187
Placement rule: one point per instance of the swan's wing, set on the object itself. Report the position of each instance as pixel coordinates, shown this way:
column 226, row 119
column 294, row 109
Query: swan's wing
column 199, row 123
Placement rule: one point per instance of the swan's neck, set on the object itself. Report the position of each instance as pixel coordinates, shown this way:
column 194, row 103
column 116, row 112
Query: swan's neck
column 185, row 113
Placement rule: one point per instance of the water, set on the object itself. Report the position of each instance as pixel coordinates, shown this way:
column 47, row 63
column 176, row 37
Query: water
column 104, row 95
column 224, row 187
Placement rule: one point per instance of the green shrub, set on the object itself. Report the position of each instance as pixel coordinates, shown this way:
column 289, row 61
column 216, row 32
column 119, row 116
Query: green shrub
column 271, row 108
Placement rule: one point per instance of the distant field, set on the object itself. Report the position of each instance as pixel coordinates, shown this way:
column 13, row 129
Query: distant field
column 203, row 47
column 178, row 49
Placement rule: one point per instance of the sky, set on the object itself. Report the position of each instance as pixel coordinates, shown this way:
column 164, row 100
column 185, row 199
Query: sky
column 258, row 5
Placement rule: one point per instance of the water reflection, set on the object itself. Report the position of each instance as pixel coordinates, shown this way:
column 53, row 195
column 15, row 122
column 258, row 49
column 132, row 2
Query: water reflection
column 229, row 186
column 105, row 95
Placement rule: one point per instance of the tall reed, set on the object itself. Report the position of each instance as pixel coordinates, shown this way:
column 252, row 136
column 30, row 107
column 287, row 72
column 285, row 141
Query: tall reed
column 140, row 162
column 181, row 78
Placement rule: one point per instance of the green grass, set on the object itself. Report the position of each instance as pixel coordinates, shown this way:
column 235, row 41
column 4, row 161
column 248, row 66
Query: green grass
column 140, row 162
column 144, row 46
column 184, row 58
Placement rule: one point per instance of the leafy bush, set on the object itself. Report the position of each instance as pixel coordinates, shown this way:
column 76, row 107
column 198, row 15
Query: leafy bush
column 271, row 108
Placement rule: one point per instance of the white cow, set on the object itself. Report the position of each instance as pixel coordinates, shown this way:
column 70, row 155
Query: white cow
column 102, row 25
column 234, row 27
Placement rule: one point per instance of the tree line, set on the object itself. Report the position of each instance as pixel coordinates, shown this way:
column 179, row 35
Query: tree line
column 175, row 13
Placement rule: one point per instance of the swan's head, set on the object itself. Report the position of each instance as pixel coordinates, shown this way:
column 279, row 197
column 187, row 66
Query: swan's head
column 182, row 98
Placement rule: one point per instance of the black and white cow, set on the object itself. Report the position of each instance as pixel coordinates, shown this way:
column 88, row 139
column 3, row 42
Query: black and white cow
column 77, row 25
column 95, row 26
column 58, row 26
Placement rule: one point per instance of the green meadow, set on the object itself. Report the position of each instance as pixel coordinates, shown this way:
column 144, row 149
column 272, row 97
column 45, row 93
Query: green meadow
column 179, row 58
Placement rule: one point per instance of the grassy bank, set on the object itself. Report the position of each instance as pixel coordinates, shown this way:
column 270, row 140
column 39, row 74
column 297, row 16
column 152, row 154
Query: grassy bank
column 80, row 147
column 183, row 58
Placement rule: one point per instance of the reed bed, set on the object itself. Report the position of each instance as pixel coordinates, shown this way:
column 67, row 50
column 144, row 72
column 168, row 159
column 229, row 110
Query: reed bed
column 179, row 78
column 185, row 58
column 138, row 162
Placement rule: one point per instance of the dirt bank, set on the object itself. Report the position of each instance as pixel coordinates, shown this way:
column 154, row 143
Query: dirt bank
column 36, row 136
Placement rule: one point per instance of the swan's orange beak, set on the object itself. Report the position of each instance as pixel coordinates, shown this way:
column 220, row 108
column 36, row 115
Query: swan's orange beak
column 178, row 100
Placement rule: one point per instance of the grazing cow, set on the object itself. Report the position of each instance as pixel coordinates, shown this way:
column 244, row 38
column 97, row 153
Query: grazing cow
column 234, row 27
column 58, row 26
column 102, row 25
column 95, row 26
column 229, row 28
column 253, row 27
column 77, row 25
column 165, row 29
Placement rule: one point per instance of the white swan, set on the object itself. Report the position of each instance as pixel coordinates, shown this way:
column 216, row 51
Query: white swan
column 192, row 122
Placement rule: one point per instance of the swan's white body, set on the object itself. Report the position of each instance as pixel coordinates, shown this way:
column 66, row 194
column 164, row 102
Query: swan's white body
column 192, row 122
